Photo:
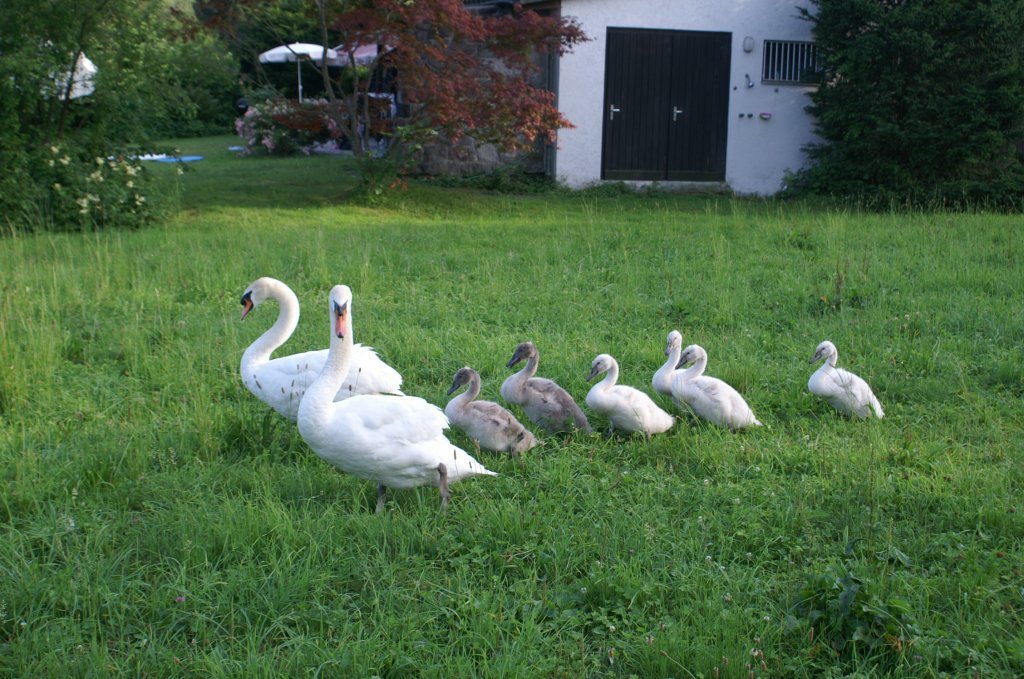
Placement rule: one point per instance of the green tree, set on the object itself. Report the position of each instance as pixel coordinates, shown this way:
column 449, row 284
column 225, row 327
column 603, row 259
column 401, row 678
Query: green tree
column 61, row 158
column 920, row 101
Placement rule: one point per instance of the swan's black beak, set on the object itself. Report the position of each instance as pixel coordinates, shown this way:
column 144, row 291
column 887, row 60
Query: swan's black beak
column 593, row 373
column 455, row 385
column 247, row 304
column 341, row 318
column 512, row 361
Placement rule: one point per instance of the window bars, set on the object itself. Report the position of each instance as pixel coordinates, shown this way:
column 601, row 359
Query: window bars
column 789, row 62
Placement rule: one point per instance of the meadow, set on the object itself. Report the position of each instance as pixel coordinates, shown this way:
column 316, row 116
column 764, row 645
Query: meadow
column 159, row 521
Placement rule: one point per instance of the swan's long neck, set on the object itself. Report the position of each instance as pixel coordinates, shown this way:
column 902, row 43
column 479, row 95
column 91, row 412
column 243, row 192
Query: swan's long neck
column 531, row 366
column 287, row 320
column 610, row 377
column 662, row 381
column 470, row 393
column 697, row 369
column 320, row 395
column 473, row 390
column 528, row 371
column 832, row 359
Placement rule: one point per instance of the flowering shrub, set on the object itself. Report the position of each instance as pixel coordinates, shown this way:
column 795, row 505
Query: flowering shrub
column 82, row 191
column 285, row 126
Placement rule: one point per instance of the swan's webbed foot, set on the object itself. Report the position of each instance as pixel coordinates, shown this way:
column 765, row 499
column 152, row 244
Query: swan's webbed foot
column 443, row 486
column 381, row 490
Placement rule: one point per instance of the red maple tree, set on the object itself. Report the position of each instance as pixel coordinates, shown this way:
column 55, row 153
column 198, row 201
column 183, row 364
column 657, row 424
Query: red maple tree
column 455, row 71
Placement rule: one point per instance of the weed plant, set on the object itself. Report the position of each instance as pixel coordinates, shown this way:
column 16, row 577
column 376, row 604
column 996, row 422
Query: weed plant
column 158, row 520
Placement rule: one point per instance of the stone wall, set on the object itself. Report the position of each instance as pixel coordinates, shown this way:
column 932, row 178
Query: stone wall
column 466, row 157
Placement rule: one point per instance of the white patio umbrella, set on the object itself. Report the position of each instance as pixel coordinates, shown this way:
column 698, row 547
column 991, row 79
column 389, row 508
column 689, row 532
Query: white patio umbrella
column 363, row 54
column 297, row 51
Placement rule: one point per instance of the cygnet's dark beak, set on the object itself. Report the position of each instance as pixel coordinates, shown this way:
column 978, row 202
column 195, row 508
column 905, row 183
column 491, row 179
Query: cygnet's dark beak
column 593, row 373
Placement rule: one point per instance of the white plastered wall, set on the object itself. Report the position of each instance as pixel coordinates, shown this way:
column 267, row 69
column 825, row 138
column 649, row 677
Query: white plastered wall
column 759, row 151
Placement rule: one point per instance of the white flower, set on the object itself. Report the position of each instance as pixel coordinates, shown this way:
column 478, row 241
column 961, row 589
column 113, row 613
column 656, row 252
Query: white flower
column 56, row 186
column 50, row 162
column 99, row 161
column 64, row 160
column 130, row 184
column 54, row 150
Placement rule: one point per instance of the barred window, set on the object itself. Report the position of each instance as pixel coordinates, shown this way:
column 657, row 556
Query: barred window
column 789, row 62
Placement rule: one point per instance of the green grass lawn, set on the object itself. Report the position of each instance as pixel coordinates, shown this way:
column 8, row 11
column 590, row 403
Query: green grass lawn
column 158, row 520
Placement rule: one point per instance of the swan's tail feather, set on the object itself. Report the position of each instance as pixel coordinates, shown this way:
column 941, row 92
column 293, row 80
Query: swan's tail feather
column 877, row 407
column 581, row 421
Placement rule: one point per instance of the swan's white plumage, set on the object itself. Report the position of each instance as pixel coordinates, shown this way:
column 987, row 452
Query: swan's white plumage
column 281, row 382
column 844, row 391
column 709, row 397
column 626, row 408
column 544, row 402
column 397, row 441
column 662, row 380
column 487, row 423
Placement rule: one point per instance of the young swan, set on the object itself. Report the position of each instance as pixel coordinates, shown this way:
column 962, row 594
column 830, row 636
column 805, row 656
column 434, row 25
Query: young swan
column 709, row 397
column 846, row 392
column 544, row 402
column 397, row 441
column 662, row 380
column 486, row 422
column 281, row 382
column 626, row 408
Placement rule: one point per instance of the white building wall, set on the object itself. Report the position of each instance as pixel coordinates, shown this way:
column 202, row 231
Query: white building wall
column 759, row 152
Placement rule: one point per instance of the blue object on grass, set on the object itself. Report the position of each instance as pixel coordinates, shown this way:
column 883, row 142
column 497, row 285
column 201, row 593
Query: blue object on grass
column 182, row 159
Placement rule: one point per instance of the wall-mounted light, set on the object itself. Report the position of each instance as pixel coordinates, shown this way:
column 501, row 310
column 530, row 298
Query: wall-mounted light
column 748, row 44
column 750, row 83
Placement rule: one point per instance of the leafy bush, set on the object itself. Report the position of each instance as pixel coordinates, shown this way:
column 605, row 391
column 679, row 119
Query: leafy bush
column 151, row 80
column 919, row 104
column 286, row 126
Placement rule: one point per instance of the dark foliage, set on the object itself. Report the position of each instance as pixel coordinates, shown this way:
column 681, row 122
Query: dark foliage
column 921, row 103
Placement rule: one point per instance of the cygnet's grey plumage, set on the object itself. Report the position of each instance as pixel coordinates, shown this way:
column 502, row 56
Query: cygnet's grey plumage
column 486, row 422
column 846, row 392
column 544, row 402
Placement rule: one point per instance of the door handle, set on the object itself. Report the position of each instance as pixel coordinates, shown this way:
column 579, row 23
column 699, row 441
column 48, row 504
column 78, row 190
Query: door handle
column 675, row 113
column 612, row 111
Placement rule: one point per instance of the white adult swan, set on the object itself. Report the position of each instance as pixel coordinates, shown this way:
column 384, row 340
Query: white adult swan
column 662, row 380
column 486, row 422
column 626, row 408
column 397, row 441
column 281, row 382
column 710, row 397
column 846, row 392
column 544, row 402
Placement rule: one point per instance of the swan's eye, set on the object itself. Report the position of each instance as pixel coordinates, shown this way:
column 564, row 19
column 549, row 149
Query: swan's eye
column 247, row 298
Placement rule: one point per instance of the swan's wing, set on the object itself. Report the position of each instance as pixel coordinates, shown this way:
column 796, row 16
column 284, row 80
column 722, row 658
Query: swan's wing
column 368, row 374
column 555, row 404
column 391, row 420
column 854, row 391
column 282, row 382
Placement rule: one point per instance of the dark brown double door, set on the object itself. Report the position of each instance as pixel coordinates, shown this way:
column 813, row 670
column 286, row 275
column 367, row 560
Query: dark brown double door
column 666, row 105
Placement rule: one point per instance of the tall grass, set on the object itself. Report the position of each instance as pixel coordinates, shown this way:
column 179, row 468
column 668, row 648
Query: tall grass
column 159, row 520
